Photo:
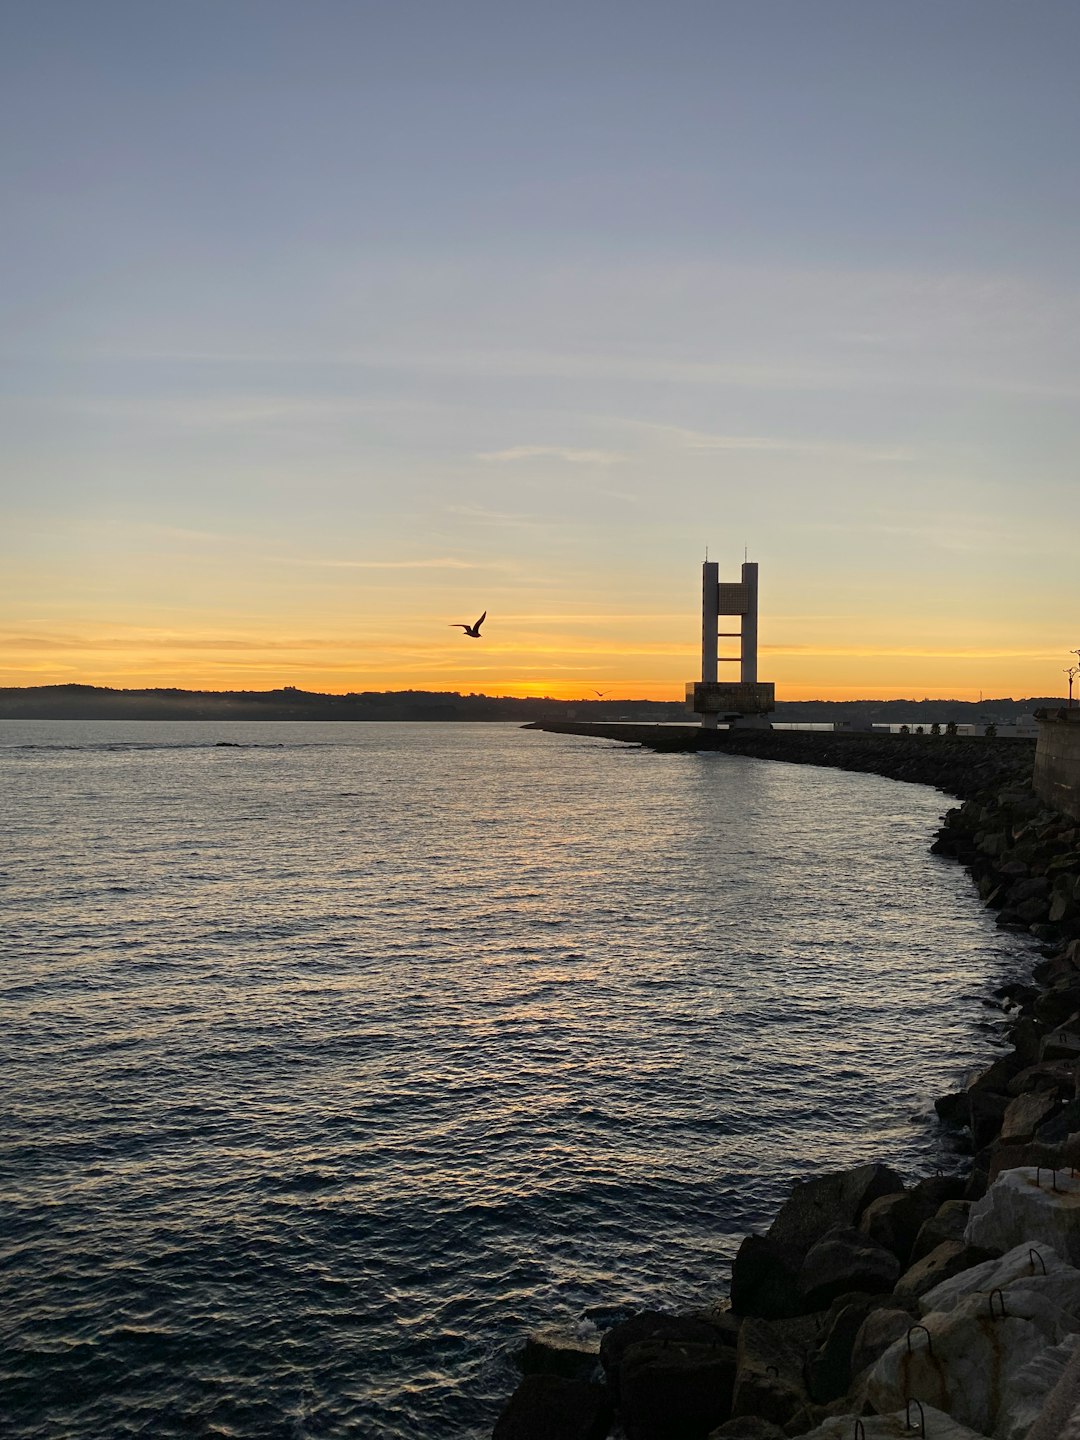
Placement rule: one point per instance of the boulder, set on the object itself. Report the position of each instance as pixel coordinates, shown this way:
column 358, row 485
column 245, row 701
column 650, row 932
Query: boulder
column 1062, row 1043
column 1059, row 1417
column 772, row 1359
column 1031, row 1206
column 765, row 1279
column 986, row 1111
column 550, row 1407
column 968, row 1361
column 949, row 1258
column 1026, row 1113
column 675, row 1390
column 1057, row 1129
column 1015, row 1157
column 1023, row 1269
column 880, row 1329
column 1060, row 1076
column 747, row 1427
column 934, row 1190
column 894, row 1220
column 1033, row 1387
column 947, row 1224
column 649, row 1325
column 817, row 1205
column 561, row 1350
column 845, row 1260
column 829, row 1372
column 893, row 1427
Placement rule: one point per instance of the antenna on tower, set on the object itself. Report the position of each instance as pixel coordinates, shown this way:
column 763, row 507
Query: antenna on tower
column 745, row 553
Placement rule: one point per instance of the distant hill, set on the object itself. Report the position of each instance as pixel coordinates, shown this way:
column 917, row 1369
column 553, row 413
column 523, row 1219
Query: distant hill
column 93, row 702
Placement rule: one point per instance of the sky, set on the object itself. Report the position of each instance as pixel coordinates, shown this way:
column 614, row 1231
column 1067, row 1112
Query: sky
column 329, row 323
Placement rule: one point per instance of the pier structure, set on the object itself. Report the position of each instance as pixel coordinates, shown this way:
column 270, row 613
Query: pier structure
column 746, row 701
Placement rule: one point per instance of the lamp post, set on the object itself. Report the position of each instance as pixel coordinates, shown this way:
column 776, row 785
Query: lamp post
column 1072, row 673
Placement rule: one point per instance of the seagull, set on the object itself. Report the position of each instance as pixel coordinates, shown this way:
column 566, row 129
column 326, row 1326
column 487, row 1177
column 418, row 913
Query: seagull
column 600, row 693
column 473, row 630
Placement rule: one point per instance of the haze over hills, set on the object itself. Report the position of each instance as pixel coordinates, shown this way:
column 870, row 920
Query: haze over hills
column 92, row 702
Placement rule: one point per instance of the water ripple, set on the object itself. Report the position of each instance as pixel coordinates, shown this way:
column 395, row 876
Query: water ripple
column 341, row 1056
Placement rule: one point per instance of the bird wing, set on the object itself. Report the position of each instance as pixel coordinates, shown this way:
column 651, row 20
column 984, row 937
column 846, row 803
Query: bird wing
column 479, row 622
column 457, row 625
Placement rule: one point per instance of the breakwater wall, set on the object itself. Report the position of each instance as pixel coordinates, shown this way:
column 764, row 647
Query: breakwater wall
column 959, row 765
column 872, row 1306
column 1057, row 760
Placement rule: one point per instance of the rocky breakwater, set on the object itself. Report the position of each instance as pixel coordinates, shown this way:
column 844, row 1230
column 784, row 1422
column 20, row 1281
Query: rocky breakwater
column 872, row 1308
column 963, row 766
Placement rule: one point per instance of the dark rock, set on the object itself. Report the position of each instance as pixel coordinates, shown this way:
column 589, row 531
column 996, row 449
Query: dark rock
column 948, row 1223
column 1017, row 993
column 844, row 1260
column 1059, row 1157
column 1060, row 1076
column 560, row 1350
column 650, row 1325
column 1025, row 1037
column 550, row 1407
column 829, row 1374
column 941, row 1264
column 934, row 1190
column 1054, row 1007
column 953, row 1108
column 893, row 1221
column 817, row 1205
column 772, row 1359
column 995, row 1078
column 1057, row 1130
column 1025, row 1114
column 747, row 1427
column 765, row 1279
column 675, row 1390
column 986, row 1112
column 1035, row 887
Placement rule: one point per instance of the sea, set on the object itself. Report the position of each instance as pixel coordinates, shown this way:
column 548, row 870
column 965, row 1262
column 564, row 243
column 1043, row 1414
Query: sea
column 339, row 1057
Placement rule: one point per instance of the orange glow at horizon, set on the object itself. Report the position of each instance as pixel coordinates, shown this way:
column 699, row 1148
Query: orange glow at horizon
column 561, row 657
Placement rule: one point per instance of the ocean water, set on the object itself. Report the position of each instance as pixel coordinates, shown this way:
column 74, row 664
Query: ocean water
column 337, row 1058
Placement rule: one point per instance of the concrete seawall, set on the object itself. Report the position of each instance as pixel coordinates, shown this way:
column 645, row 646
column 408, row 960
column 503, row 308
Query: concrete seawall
column 1057, row 760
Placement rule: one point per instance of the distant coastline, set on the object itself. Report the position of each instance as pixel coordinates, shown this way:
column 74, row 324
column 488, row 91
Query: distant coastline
column 94, row 702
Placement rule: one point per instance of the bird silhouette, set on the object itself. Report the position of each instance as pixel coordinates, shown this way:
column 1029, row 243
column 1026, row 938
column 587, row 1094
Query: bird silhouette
column 472, row 630
column 600, row 693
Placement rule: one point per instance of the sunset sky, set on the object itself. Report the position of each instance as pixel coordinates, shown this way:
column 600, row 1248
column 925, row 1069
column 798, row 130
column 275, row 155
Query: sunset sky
column 328, row 323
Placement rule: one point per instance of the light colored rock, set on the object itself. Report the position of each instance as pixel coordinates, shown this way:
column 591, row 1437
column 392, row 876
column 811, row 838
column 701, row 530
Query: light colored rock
column 1059, row 1418
column 1032, row 1387
column 894, row 1427
column 1020, row 1263
column 1022, row 1206
column 975, row 1366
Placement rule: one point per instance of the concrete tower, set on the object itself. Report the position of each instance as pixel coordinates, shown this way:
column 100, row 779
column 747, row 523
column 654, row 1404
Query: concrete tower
column 747, row 701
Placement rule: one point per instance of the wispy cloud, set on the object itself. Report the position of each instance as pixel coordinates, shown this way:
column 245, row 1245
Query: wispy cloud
column 689, row 439
column 916, row 652
column 566, row 453
column 444, row 562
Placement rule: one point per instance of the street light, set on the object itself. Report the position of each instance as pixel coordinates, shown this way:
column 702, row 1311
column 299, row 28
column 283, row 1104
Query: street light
column 1072, row 673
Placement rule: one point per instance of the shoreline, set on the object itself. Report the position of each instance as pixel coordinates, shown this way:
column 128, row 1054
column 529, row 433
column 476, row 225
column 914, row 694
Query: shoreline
column 817, row 1333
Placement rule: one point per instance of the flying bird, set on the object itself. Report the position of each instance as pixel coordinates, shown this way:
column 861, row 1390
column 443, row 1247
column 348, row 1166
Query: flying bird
column 473, row 630
column 600, row 693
